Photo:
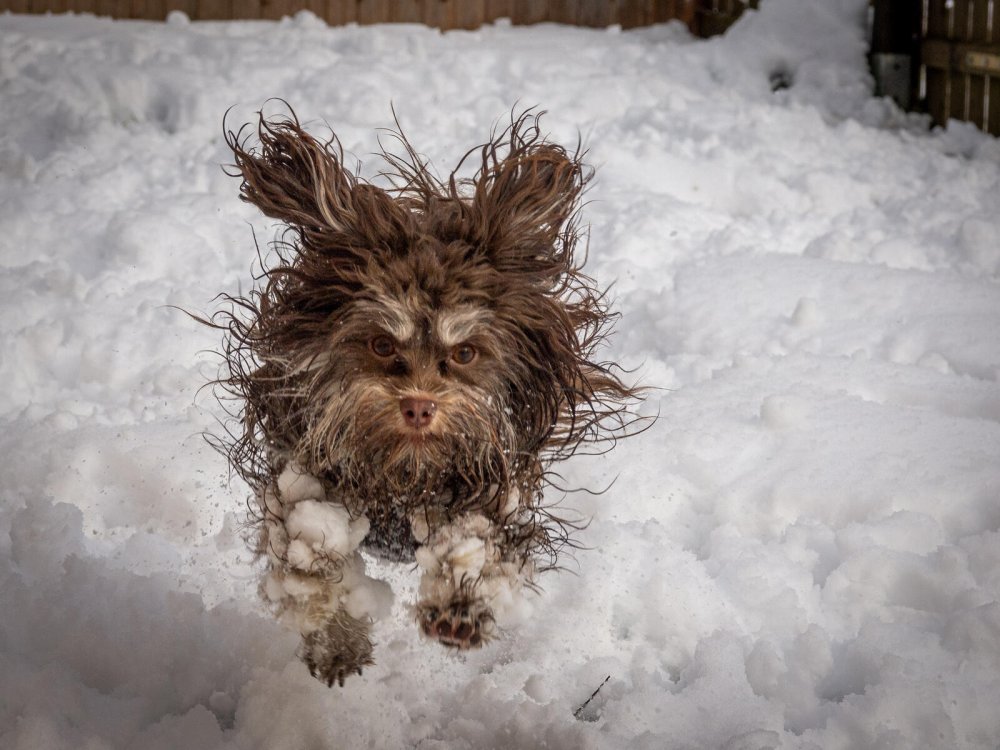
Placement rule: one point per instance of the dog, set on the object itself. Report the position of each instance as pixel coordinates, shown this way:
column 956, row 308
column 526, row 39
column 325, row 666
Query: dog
column 409, row 364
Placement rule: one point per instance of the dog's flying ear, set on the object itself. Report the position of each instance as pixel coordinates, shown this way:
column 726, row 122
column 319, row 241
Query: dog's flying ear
column 295, row 178
column 527, row 200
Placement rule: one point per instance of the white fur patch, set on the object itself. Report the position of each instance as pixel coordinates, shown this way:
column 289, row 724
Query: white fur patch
column 392, row 315
column 458, row 325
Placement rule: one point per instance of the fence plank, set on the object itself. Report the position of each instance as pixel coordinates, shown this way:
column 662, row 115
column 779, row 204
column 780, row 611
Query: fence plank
column 151, row 10
column 469, row 14
column 937, row 95
column 662, row 10
column 439, row 13
column 269, row 9
column 215, row 10
column 499, row 9
column 634, row 13
column 961, row 19
column 977, row 101
column 563, row 11
column 248, row 9
column 597, row 13
column 135, row 9
column 372, row 11
column 341, row 12
column 937, row 19
column 980, row 13
column 317, row 7
column 669, row 10
column 993, row 122
column 958, row 96
column 405, row 11
column 526, row 12
column 189, row 7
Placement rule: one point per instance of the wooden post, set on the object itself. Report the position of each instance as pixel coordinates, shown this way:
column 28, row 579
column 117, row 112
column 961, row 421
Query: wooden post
column 895, row 40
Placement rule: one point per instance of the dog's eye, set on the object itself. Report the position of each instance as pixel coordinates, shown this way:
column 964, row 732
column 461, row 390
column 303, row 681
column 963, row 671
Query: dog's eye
column 382, row 346
column 463, row 354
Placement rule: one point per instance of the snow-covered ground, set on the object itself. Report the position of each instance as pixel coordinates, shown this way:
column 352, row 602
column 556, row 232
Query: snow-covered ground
column 802, row 552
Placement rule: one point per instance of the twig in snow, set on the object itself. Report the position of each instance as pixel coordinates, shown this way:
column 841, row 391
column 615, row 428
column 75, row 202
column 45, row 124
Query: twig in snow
column 576, row 713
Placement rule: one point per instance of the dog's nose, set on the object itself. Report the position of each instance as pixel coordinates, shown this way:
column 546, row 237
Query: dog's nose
column 417, row 412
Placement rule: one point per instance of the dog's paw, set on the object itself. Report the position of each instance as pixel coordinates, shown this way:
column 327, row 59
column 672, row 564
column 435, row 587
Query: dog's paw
column 337, row 650
column 462, row 624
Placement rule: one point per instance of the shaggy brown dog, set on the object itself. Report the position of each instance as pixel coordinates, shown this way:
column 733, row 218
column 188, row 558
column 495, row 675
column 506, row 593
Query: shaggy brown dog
column 407, row 367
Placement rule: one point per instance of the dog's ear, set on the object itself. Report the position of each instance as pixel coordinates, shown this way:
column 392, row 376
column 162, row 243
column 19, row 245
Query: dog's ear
column 526, row 202
column 295, row 178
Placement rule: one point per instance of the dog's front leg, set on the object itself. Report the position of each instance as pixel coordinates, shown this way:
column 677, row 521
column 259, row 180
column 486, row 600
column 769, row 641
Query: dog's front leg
column 315, row 577
column 474, row 574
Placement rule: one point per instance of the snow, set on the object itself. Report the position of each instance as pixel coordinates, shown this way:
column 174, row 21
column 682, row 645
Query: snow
column 802, row 552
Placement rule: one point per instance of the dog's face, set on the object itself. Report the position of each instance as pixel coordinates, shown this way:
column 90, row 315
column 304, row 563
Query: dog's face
column 411, row 388
column 427, row 341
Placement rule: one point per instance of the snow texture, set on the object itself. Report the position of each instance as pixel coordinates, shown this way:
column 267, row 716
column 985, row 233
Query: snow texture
column 802, row 552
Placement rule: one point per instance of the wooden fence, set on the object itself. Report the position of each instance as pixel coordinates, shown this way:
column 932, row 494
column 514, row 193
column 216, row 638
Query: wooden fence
column 960, row 54
column 704, row 17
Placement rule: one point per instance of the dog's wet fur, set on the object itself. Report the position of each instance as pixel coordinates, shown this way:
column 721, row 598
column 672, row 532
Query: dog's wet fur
column 417, row 356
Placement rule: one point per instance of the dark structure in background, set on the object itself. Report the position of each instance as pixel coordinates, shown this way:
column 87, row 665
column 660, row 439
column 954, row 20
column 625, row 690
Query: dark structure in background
column 936, row 56
column 940, row 56
column 895, row 49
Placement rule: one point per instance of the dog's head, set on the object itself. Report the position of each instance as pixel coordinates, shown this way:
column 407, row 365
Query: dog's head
column 432, row 338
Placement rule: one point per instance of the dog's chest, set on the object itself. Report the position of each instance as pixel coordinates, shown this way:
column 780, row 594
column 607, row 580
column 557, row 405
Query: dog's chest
column 390, row 536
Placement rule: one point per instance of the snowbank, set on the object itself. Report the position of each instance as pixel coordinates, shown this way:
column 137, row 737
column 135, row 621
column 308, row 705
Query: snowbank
column 802, row 552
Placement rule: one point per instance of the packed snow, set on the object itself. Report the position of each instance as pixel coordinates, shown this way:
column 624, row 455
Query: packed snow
column 802, row 552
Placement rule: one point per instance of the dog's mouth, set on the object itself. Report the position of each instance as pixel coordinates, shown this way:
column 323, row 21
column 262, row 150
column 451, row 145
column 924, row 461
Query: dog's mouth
column 414, row 442
column 418, row 438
